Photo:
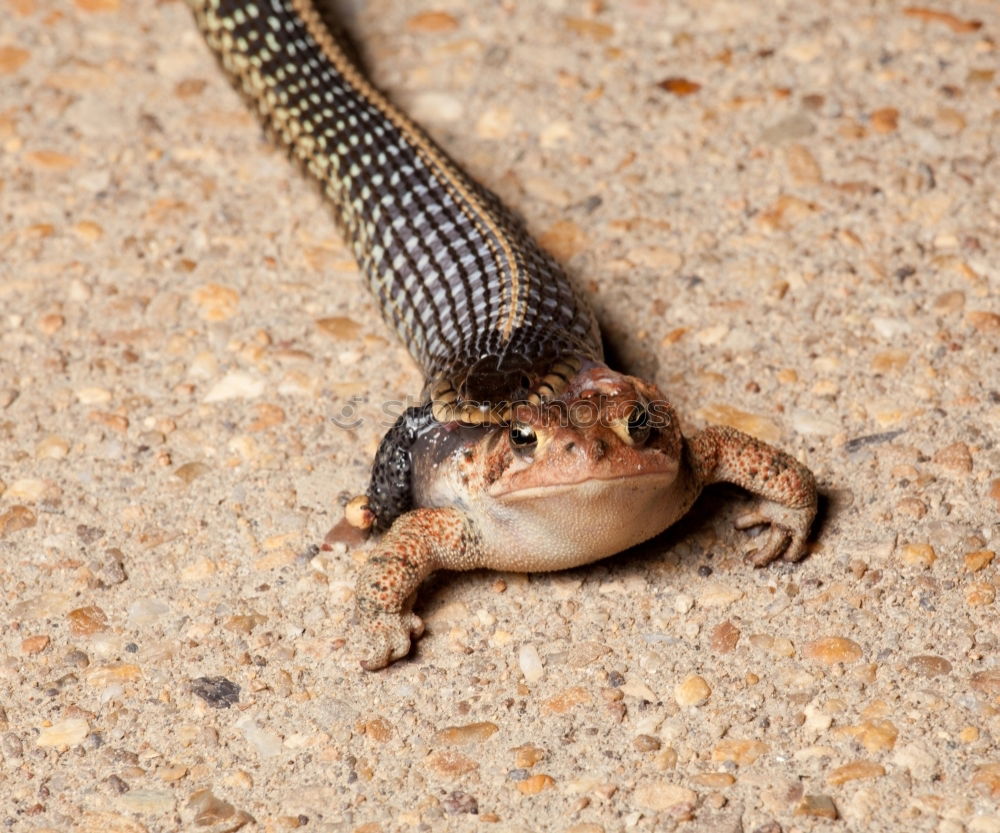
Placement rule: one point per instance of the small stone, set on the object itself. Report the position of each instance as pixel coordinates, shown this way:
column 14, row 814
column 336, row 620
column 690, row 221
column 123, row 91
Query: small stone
column 986, row 780
column 218, row 692
column 817, row 806
column 85, row 621
column 105, row 675
column 93, row 396
column 144, row 612
column 915, row 758
column 77, row 659
column 34, row 644
column 928, row 665
column 656, row 258
column 534, row 784
column 450, row 762
column 984, row 322
column 339, row 327
column 768, row 827
column 854, row 771
column 547, row 190
column 281, row 557
column 102, row 822
column 69, row 732
column 7, row 397
column 741, row 752
column 12, row 746
column 235, row 385
column 646, row 743
column 977, row 824
column 874, row 735
column 51, row 160
column 976, row 561
column 662, row 795
column 245, row 623
column 638, row 689
column 88, row 231
column 725, row 635
column 912, row 507
column 189, row 472
column 378, row 729
column 460, row 803
column 268, row 415
column 832, row 649
column 567, row 699
column 150, row 802
column 955, row 457
column 969, row 734
column 530, row 663
column 784, row 213
column 206, row 808
column 496, row 123
column 436, row 107
column 97, row 6
column 753, row 424
column 30, row 489
column 582, row 654
column 89, row 534
column 15, row 519
column 266, row 743
column 885, row 120
column 564, row 239
column 683, row 603
column 585, row 827
column 527, row 756
column 465, row 735
column 432, row 22
column 215, row 302
column 889, row 361
column 116, row 784
column 802, row 165
column 51, row 323
column 796, row 126
column 116, row 422
column 979, row 594
column 589, row 28
column 556, row 134
column 918, row 555
column 719, row 595
column 714, row 780
column 681, row 87
column 12, row 58
column 170, row 774
column 692, row 691
column 956, row 24
column 665, row 759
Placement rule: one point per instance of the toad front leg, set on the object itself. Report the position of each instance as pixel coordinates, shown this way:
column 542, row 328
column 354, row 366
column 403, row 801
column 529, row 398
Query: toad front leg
column 787, row 489
column 418, row 543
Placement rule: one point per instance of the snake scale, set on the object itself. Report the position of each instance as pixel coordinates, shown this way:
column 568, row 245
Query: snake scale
column 479, row 305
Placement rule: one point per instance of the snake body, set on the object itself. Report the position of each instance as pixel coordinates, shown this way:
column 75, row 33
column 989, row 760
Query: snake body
column 483, row 310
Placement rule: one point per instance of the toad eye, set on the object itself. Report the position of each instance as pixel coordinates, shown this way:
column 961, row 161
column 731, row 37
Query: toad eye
column 522, row 437
column 638, row 424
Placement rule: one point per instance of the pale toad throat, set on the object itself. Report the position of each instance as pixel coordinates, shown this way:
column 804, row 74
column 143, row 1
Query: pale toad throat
column 589, row 474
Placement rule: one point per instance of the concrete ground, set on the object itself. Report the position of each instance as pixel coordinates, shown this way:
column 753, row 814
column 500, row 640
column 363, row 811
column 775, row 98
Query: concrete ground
column 785, row 213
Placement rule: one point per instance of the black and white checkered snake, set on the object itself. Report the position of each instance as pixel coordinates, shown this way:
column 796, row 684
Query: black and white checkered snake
column 487, row 314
